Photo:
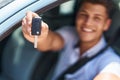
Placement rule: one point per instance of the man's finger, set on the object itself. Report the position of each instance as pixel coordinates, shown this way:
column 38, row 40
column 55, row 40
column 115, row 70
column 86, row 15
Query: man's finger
column 29, row 17
column 44, row 30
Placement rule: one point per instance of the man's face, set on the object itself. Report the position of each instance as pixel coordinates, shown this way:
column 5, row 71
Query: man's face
column 91, row 21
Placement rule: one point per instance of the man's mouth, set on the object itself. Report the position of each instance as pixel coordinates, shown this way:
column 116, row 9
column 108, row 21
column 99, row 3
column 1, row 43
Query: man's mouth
column 89, row 30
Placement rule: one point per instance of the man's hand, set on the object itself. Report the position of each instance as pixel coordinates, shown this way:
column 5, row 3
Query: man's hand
column 47, row 40
column 26, row 27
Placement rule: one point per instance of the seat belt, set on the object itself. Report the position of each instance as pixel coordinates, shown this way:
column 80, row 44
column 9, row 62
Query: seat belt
column 79, row 64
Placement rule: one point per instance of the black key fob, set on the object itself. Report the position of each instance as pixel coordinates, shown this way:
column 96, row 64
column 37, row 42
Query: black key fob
column 36, row 26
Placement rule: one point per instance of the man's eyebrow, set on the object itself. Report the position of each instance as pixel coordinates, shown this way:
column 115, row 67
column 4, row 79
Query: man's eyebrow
column 99, row 15
column 83, row 11
column 95, row 14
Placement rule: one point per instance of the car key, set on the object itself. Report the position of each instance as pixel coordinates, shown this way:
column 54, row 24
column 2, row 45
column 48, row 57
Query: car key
column 36, row 29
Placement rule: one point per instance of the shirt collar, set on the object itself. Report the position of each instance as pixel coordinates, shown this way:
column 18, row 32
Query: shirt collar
column 94, row 50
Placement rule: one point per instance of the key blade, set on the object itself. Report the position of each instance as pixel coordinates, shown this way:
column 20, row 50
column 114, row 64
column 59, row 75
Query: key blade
column 35, row 41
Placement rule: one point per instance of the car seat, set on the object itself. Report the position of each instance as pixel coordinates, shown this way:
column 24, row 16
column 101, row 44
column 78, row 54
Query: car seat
column 19, row 58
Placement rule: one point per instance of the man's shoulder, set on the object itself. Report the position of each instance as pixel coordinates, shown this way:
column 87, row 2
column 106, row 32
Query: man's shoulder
column 110, row 63
column 68, row 33
column 109, row 55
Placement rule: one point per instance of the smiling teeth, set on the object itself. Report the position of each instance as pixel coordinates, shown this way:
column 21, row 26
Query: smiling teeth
column 87, row 30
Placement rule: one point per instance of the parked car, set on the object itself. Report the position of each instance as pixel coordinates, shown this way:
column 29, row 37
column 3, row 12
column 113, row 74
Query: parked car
column 18, row 58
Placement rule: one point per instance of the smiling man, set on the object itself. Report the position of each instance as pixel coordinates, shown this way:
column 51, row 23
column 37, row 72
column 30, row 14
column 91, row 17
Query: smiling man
column 92, row 19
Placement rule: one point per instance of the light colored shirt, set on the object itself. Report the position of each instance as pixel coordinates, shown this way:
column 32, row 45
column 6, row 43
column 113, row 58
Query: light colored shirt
column 113, row 68
column 69, row 55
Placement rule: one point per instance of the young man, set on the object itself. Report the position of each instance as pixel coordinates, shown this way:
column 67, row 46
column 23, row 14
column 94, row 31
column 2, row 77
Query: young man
column 92, row 19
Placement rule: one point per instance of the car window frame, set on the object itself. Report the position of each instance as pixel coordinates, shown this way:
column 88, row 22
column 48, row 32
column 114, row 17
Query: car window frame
column 39, row 11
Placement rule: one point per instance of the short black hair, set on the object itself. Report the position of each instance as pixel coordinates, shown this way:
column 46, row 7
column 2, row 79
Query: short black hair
column 108, row 4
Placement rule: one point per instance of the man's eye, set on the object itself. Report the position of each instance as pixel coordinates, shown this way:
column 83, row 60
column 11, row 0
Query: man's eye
column 97, row 19
column 83, row 16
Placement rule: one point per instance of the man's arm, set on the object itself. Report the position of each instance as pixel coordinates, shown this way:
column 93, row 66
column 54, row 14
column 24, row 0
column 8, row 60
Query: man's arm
column 106, row 76
column 48, row 40
column 53, row 42
column 110, row 72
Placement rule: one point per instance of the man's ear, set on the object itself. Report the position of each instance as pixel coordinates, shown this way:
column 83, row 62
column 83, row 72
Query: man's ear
column 107, row 25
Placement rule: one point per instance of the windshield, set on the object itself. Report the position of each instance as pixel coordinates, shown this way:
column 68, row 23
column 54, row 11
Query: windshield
column 4, row 2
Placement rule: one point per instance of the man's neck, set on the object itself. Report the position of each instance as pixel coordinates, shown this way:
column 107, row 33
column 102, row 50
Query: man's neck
column 84, row 46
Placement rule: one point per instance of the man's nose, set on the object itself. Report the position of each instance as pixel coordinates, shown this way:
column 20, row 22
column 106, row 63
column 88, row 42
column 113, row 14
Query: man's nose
column 88, row 21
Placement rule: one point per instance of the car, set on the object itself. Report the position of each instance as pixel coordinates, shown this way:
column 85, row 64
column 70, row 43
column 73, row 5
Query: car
column 18, row 58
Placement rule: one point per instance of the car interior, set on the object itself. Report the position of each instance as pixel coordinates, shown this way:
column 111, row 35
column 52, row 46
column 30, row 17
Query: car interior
column 20, row 61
